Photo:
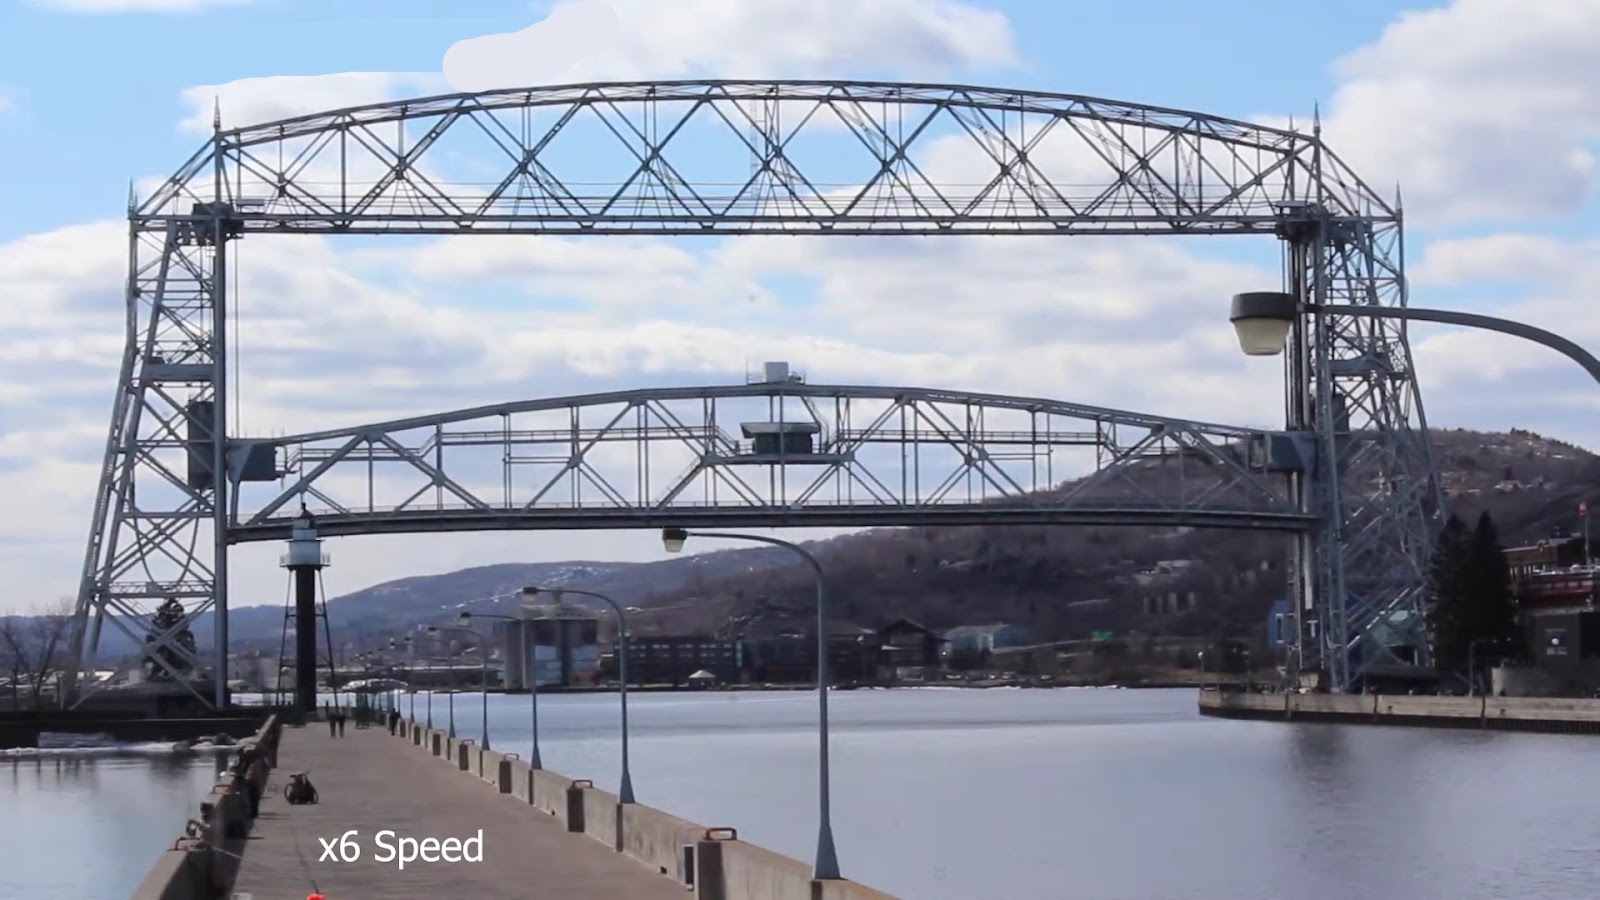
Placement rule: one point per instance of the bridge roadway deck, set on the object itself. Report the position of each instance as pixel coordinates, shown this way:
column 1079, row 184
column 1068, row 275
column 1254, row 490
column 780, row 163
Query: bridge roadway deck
column 370, row 781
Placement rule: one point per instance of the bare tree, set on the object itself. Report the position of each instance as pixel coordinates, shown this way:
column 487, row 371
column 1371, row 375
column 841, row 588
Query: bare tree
column 31, row 644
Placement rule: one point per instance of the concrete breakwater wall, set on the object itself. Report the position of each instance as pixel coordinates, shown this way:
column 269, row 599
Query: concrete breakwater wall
column 203, row 861
column 23, row 729
column 710, row 862
column 1541, row 714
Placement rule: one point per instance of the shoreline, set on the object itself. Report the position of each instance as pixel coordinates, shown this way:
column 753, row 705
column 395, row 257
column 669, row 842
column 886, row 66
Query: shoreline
column 976, row 685
column 1548, row 715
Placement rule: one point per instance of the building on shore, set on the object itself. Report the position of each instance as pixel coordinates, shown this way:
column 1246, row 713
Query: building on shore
column 673, row 659
column 1557, row 590
column 786, row 653
column 558, row 644
column 765, row 653
column 970, row 646
column 911, row 651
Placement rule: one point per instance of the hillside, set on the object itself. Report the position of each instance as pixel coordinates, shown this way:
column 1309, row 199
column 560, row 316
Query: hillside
column 1069, row 581
column 1062, row 581
column 372, row 615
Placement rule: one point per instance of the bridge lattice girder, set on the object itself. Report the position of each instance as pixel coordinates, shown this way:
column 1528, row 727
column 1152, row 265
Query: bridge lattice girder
column 759, row 157
column 682, row 456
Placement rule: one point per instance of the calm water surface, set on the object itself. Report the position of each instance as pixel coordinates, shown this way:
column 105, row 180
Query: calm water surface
column 88, row 829
column 979, row 795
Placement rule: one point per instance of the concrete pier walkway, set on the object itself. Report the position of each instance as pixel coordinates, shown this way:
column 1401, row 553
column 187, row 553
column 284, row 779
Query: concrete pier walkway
column 369, row 781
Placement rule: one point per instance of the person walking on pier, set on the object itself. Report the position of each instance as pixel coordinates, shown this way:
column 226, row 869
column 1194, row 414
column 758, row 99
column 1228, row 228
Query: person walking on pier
column 340, row 718
column 394, row 720
column 333, row 723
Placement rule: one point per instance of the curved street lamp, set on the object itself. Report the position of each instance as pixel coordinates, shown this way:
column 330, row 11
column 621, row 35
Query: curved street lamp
column 625, row 791
column 464, row 623
column 826, row 865
column 433, row 632
column 533, row 684
column 410, row 677
column 427, row 666
column 1262, row 319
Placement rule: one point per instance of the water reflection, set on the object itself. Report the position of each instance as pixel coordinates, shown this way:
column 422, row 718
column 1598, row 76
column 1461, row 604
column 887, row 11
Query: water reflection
column 88, row 828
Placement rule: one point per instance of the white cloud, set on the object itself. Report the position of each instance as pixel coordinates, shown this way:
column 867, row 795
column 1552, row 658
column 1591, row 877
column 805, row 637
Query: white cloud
column 1481, row 109
column 539, row 54
column 1546, row 282
column 8, row 98
column 106, row 7
column 622, row 39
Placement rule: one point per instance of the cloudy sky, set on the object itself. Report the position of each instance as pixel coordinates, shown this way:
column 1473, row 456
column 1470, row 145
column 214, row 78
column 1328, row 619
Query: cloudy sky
column 1485, row 114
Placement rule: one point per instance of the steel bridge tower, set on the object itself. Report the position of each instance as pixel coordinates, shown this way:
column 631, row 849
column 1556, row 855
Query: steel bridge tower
column 1355, row 434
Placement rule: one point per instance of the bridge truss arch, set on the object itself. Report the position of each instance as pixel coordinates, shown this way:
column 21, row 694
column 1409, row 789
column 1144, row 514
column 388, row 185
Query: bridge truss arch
column 763, row 157
column 768, row 455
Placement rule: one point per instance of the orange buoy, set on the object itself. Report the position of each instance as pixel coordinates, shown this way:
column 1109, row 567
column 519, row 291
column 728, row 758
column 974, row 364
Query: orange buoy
column 315, row 896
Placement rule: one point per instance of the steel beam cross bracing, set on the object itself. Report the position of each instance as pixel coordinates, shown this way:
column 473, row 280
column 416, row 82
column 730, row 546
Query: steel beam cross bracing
column 867, row 455
column 598, row 159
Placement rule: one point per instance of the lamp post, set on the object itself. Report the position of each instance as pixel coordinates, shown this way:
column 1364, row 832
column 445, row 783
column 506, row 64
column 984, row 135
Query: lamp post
column 465, row 624
column 625, row 791
column 826, row 865
column 427, row 667
column 533, row 678
column 1262, row 321
column 433, row 630
column 410, row 678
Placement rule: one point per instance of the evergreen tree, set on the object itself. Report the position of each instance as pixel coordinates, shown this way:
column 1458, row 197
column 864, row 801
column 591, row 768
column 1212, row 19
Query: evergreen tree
column 167, row 616
column 1471, row 599
column 1447, row 595
column 1493, row 608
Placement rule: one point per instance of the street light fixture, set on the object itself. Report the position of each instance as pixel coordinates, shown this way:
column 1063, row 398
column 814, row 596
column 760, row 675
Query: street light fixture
column 433, row 632
column 534, row 760
column 464, row 623
column 673, row 539
column 625, row 791
column 410, row 677
column 1262, row 319
column 826, row 865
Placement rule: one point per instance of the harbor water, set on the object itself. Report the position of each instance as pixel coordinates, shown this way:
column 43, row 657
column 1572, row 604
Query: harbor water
column 952, row 794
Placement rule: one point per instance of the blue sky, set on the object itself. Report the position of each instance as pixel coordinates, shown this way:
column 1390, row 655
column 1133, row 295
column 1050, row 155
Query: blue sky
column 1483, row 110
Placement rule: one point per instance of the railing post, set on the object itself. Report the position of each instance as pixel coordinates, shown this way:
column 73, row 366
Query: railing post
column 575, row 821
